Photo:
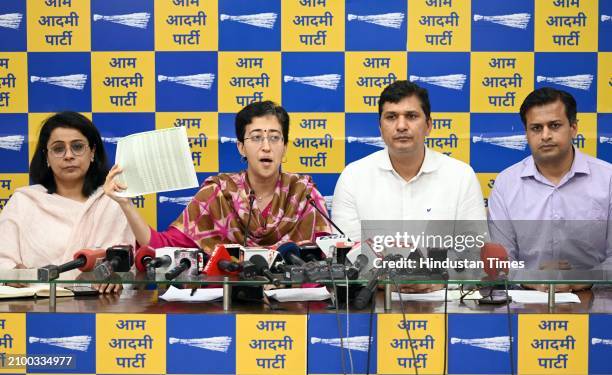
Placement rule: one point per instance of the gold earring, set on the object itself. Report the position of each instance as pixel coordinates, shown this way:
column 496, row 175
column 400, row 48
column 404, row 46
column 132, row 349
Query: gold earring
column 284, row 160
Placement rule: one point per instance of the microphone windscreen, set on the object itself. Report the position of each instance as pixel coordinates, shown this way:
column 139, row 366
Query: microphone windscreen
column 141, row 253
column 493, row 251
column 259, row 262
column 288, row 248
column 91, row 257
column 212, row 266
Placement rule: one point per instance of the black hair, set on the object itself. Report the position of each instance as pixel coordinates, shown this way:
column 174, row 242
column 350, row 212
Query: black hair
column 547, row 95
column 41, row 173
column 398, row 90
column 261, row 109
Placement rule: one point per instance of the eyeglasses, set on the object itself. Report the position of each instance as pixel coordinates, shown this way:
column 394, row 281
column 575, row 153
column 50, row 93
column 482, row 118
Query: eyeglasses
column 77, row 149
column 272, row 139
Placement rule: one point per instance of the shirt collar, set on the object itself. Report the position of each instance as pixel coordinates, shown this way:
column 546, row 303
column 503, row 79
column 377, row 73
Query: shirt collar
column 431, row 162
column 579, row 165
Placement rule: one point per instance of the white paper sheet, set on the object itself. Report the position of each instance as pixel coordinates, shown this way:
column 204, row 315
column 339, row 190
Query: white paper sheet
column 535, row 296
column 174, row 294
column 437, row 296
column 155, row 161
column 299, row 294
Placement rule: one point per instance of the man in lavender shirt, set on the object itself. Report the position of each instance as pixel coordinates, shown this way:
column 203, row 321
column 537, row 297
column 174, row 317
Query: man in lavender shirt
column 552, row 209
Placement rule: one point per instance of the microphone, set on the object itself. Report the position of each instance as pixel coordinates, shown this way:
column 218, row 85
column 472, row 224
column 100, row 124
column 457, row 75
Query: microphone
column 246, row 228
column 220, row 263
column 353, row 272
column 329, row 220
column 84, row 260
column 261, row 265
column 118, row 259
column 365, row 295
column 191, row 260
column 492, row 255
column 290, row 252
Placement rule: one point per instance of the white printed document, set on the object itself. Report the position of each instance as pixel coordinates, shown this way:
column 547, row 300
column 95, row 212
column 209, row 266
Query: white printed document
column 155, row 161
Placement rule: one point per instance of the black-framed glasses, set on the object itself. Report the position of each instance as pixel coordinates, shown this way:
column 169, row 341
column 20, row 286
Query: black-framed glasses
column 59, row 150
column 273, row 139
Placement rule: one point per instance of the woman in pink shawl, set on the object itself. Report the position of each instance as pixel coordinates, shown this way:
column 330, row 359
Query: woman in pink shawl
column 220, row 211
column 66, row 209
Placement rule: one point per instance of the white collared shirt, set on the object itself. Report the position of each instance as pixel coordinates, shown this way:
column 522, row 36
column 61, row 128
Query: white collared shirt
column 370, row 189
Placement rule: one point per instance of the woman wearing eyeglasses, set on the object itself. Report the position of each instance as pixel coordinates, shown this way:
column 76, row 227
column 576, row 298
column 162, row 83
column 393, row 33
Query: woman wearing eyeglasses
column 219, row 212
column 66, row 209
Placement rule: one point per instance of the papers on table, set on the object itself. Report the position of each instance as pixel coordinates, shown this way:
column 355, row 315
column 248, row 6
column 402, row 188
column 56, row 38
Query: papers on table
column 299, row 294
column 174, row 294
column 437, row 296
column 155, row 161
column 535, row 296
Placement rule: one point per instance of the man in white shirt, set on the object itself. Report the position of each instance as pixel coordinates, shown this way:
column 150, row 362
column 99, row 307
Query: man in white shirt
column 406, row 180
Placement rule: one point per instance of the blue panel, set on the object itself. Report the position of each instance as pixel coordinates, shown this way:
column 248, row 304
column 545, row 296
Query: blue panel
column 187, row 356
column 604, row 136
column 229, row 157
column 600, row 344
column 119, row 25
column 490, row 136
column 605, row 26
column 313, row 82
column 41, row 327
column 490, row 354
column 511, row 30
column 362, row 135
column 59, row 81
column 324, row 352
column 186, row 81
column 113, row 126
column 247, row 25
column 13, row 34
column 575, row 73
column 446, row 76
column 367, row 36
column 14, row 150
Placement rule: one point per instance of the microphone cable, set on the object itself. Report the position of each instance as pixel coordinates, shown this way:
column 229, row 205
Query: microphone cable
column 399, row 293
column 370, row 325
column 328, row 261
column 246, row 229
column 445, row 326
column 348, row 324
column 509, row 317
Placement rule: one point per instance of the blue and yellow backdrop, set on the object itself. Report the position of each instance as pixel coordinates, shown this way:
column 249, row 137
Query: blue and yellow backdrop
column 142, row 64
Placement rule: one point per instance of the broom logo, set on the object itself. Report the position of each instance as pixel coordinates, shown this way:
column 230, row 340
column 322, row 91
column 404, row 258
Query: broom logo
column 517, row 20
column 372, row 141
column 263, row 20
column 578, row 81
column 72, row 81
column 390, row 20
column 12, row 142
column 80, row 343
column 137, row 20
column 513, row 142
column 183, row 201
column 359, row 343
column 498, row 344
column 199, row 81
column 450, row 81
column 217, row 344
column 11, row 20
column 323, row 81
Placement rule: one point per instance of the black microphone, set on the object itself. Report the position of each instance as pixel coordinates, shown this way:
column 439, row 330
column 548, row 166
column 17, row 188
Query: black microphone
column 84, row 260
column 353, row 272
column 365, row 295
column 329, row 220
column 263, row 270
column 118, row 259
column 246, row 229
column 290, row 252
column 186, row 259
